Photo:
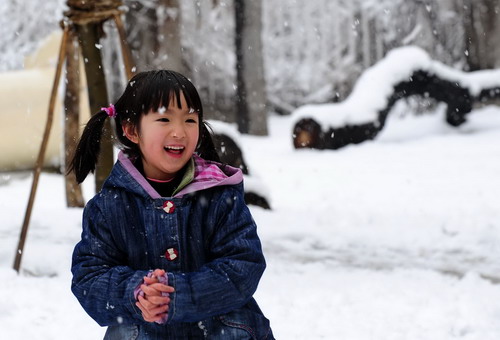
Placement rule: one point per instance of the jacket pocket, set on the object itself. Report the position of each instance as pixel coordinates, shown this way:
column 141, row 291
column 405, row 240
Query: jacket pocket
column 245, row 324
column 122, row 332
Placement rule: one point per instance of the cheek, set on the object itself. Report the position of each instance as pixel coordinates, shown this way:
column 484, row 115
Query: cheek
column 198, row 133
column 194, row 133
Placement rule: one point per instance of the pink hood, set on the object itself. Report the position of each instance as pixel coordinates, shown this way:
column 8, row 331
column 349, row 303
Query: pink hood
column 207, row 174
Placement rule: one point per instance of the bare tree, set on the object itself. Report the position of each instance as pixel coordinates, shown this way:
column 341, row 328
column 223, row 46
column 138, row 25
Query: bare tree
column 154, row 34
column 251, row 85
column 482, row 29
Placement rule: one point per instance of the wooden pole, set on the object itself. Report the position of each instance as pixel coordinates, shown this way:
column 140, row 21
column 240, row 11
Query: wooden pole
column 74, row 197
column 88, row 33
column 88, row 36
column 43, row 148
column 130, row 67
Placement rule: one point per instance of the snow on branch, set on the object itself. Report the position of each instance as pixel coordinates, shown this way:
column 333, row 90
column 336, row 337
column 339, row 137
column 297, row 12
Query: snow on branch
column 403, row 72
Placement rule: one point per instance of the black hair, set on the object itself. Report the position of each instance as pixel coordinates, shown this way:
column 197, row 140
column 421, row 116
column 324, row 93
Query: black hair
column 145, row 92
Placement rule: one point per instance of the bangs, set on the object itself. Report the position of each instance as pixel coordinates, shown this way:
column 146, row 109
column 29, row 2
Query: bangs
column 165, row 87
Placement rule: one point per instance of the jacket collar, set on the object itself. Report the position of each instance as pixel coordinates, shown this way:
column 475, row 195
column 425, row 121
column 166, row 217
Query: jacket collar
column 208, row 174
column 200, row 175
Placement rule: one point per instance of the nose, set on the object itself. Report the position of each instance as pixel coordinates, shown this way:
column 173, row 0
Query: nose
column 178, row 131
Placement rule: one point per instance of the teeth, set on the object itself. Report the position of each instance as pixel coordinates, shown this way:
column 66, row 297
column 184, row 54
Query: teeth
column 174, row 147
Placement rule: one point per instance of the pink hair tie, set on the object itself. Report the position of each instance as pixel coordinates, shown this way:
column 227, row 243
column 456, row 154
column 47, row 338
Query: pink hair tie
column 110, row 110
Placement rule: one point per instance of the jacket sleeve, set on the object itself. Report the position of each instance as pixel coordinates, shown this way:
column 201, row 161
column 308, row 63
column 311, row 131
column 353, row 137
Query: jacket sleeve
column 229, row 281
column 102, row 284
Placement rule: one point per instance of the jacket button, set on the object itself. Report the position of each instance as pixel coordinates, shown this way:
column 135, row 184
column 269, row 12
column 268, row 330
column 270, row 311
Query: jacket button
column 168, row 207
column 171, row 254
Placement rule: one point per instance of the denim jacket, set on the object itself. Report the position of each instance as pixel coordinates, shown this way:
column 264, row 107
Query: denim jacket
column 128, row 230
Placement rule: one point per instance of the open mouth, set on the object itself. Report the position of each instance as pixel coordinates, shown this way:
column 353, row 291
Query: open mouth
column 175, row 150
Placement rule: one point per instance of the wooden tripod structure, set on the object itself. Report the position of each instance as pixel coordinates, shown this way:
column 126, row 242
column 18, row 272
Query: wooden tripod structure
column 81, row 13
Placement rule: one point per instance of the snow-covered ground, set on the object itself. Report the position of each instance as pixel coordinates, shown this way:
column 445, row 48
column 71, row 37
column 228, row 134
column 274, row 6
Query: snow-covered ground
column 398, row 238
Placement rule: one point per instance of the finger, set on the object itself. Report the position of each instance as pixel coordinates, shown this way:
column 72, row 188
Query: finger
column 159, row 272
column 156, row 289
column 150, row 280
column 158, row 300
column 162, row 287
column 150, row 290
column 150, row 318
column 158, row 310
column 154, row 306
column 145, row 303
column 150, row 314
column 145, row 313
column 158, row 317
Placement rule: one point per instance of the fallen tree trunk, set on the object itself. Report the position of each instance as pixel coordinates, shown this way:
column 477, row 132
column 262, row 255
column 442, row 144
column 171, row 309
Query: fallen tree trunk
column 309, row 133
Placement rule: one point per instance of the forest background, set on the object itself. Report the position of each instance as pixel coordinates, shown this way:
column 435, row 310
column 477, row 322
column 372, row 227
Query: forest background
column 312, row 51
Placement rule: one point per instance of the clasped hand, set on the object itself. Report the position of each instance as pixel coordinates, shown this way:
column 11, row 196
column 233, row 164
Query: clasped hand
column 154, row 305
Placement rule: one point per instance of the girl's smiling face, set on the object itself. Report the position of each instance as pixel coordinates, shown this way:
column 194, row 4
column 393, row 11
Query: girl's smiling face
column 167, row 138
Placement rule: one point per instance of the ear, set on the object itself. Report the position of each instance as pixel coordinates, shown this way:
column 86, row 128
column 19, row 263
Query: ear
column 130, row 132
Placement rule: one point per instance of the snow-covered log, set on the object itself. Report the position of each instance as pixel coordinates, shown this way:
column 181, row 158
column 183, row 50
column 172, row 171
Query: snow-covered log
column 405, row 72
column 226, row 136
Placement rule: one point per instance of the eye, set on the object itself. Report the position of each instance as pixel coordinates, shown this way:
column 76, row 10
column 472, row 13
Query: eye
column 191, row 120
column 163, row 120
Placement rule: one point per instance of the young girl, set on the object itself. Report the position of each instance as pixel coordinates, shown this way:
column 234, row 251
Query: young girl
column 169, row 249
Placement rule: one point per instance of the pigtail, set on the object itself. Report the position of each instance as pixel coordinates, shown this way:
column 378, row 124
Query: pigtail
column 87, row 152
column 206, row 148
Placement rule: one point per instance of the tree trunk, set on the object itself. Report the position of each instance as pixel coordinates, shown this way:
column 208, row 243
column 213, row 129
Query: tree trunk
column 154, row 34
column 169, row 38
column 142, row 30
column 88, row 36
column 251, row 86
column 482, row 28
column 74, row 196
